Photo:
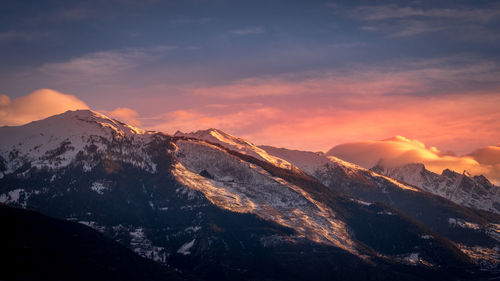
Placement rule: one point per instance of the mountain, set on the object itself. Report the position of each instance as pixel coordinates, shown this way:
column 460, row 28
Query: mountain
column 347, row 178
column 471, row 191
column 450, row 220
column 63, row 138
column 220, row 208
column 37, row 247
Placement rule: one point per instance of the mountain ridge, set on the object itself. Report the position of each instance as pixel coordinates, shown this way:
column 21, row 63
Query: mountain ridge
column 472, row 191
column 195, row 202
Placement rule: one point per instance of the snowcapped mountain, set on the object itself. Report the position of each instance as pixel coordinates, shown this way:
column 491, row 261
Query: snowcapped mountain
column 364, row 184
column 220, row 208
column 471, row 191
column 62, row 139
column 369, row 186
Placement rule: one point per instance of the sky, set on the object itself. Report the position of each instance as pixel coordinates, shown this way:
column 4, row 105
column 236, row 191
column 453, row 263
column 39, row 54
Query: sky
column 299, row 74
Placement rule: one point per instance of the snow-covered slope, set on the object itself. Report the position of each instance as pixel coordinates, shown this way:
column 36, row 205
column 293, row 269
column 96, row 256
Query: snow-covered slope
column 236, row 144
column 57, row 141
column 239, row 186
column 314, row 164
column 471, row 191
column 323, row 167
column 370, row 186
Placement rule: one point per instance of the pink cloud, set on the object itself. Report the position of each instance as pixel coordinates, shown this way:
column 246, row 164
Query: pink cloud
column 489, row 155
column 37, row 105
column 237, row 122
column 400, row 150
column 315, row 111
column 457, row 122
column 436, row 102
column 125, row 115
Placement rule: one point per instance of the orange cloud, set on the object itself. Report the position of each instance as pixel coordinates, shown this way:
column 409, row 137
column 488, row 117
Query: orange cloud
column 455, row 122
column 433, row 101
column 400, row 150
column 125, row 115
column 37, row 105
column 460, row 122
column 489, row 155
column 369, row 83
column 239, row 123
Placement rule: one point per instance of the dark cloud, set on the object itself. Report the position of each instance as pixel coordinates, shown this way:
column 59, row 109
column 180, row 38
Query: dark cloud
column 400, row 20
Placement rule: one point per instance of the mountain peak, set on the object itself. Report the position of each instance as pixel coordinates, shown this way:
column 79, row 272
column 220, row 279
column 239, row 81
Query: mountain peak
column 449, row 173
column 77, row 114
column 231, row 142
column 88, row 119
column 55, row 141
column 216, row 135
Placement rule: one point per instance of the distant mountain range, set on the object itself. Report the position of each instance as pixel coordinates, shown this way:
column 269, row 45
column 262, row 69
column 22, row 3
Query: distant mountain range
column 212, row 206
column 471, row 191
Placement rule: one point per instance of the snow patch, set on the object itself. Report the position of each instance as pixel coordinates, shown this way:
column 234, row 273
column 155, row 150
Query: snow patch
column 361, row 202
column 493, row 230
column 486, row 258
column 456, row 222
column 192, row 229
column 98, row 187
column 412, row 259
column 16, row 196
column 91, row 224
column 184, row 249
column 145, row 248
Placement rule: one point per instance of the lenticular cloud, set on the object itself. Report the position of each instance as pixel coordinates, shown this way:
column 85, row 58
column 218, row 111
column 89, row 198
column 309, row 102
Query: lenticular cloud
column 35, row 106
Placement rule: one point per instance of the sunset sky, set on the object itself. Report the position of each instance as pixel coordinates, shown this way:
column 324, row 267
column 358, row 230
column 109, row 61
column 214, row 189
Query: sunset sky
column 299, row 74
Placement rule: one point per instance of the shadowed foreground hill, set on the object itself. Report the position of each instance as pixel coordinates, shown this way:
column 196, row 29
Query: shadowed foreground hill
column 37, row 247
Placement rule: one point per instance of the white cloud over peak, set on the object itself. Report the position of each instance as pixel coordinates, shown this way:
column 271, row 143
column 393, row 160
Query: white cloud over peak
column 35, row 106
column 399, row 150
column 124, row 114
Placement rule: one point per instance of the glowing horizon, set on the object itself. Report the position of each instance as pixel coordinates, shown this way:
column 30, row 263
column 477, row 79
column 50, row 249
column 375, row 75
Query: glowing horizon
column 397, row 150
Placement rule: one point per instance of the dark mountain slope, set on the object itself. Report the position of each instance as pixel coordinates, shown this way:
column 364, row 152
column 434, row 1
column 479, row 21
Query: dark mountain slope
column 37, row 247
